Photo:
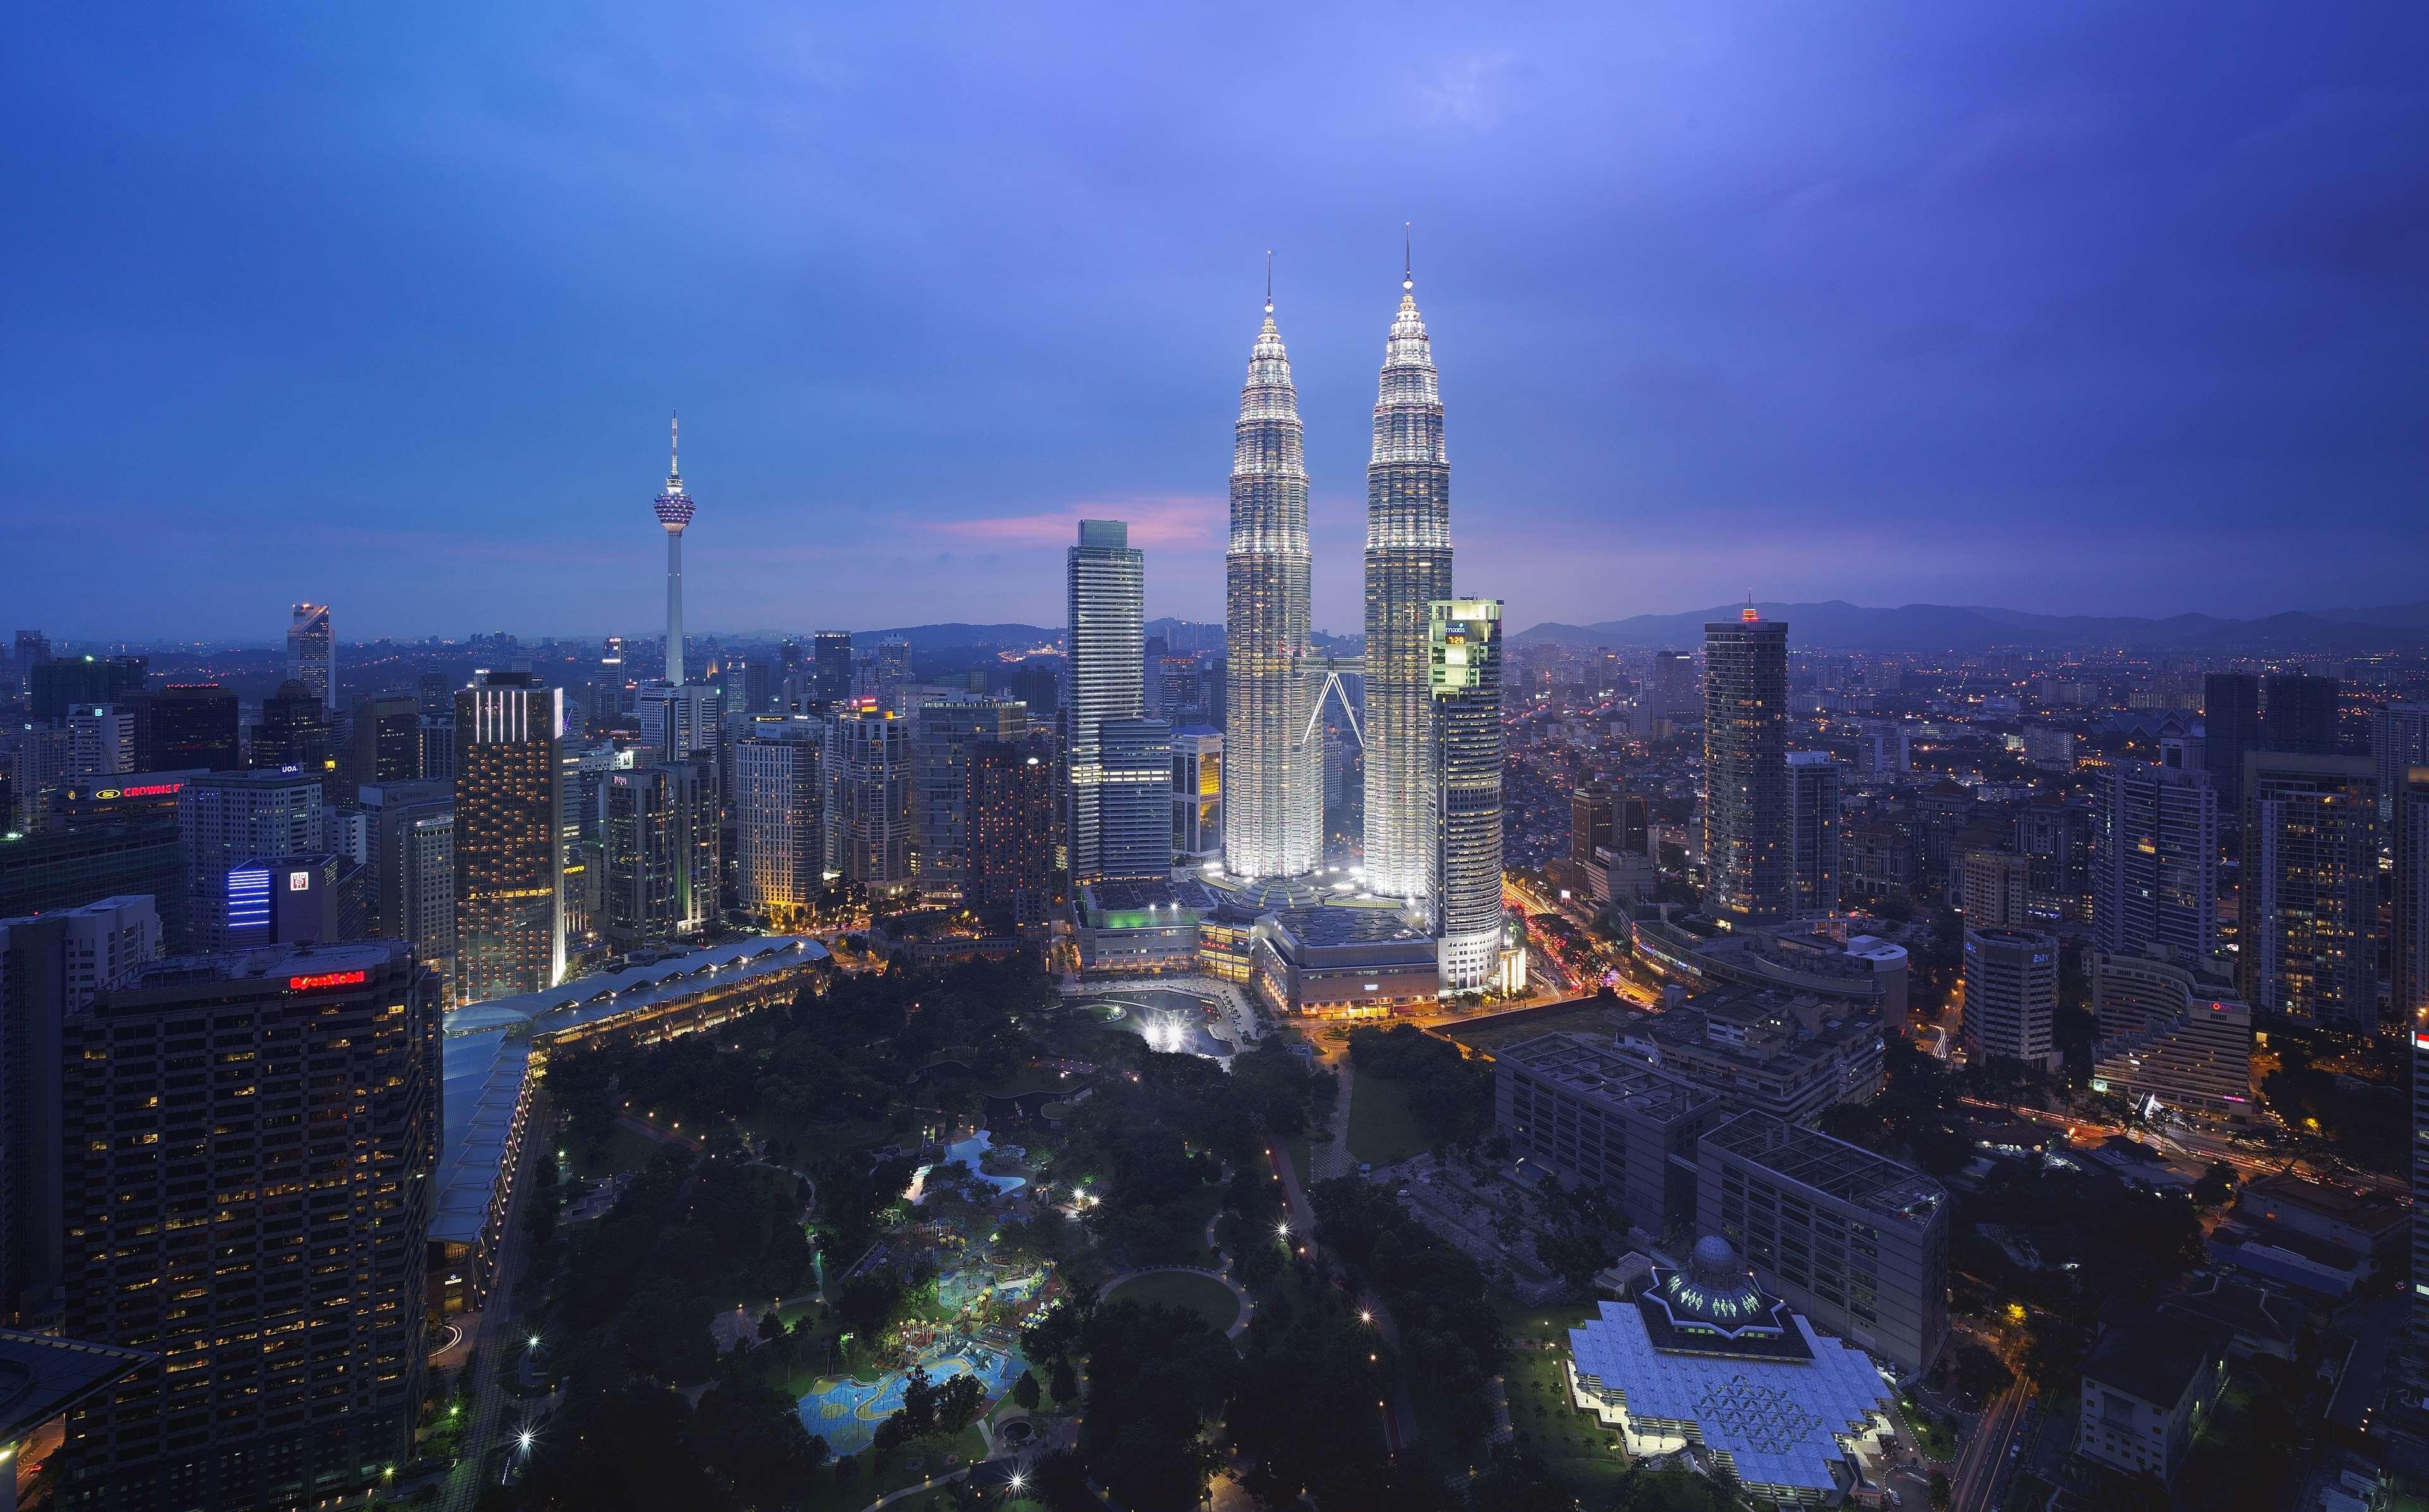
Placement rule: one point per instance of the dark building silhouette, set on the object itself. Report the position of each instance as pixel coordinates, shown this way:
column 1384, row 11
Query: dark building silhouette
column 1745, row 768
column 2299, row 715
column 194, row 727
column 2230, row 731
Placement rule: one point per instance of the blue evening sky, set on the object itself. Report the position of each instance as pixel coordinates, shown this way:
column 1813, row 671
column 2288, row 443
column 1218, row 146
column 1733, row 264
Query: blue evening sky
column 2073, row 307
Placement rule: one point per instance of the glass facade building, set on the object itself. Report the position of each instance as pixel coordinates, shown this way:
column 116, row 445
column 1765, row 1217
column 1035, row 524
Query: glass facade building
column 1103, row 679
column 1465, row 677
column 1746, row 769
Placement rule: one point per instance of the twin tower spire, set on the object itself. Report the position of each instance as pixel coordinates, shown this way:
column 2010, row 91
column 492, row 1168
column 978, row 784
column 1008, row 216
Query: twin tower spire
column 1273, row 805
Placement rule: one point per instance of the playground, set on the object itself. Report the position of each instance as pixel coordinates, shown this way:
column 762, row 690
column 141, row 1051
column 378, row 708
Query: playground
column 845, row 1411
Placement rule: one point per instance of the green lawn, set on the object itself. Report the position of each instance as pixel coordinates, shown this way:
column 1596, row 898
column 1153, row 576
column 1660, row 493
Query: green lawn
column 1297, row 1147
column 866, row 1488
column 1201, row 1294
column 1383, row 1130
column 1937, row 1439
column 1578, row 1449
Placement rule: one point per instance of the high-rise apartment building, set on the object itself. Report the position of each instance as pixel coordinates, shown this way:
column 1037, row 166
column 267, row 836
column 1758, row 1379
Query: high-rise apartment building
column 780, row 817
column 1996, row 890
column 312, row 653
column 2298, row 714
column 1107, row 589
column 681, row 723
column 509, row 842
column 889, row 672
column 2307, row 916
column 409, row 850
column 2399, row 741
column 2155, row 859
column 1816, row 833
column 2230, row 730
column 1673, row 686
column 640, row 852
column 2410, row 824
column 1408, row 570
column 1465, row 882
column 194, row 729
column 263, row 1231
column 874, row 788
column 50, row 967
column 2059, row 838
column 1010, row 863
column 224, row 817
column 945, row 731
column 2012, row 996
column 1272, row 822
column 1746, row 769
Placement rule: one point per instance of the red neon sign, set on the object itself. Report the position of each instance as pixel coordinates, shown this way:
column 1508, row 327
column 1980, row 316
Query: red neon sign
column 326, row 978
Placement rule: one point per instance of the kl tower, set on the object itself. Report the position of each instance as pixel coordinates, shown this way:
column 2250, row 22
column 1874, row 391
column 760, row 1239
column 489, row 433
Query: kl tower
column 674, row 512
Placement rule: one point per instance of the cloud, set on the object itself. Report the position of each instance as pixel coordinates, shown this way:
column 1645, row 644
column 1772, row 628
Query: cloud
column 1468, row 93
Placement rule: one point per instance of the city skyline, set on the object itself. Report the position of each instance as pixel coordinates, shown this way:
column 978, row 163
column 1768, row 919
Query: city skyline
column 1670, row 306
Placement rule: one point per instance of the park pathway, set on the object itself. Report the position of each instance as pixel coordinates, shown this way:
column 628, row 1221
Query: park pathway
column 1404, row 1419
column 1222, row 1274
column 1332, row 1159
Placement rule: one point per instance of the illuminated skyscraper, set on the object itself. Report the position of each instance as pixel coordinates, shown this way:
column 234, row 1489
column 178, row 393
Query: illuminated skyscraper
column 674, row 509
column 1272, row 823
column 1746, row 769
column 312, row 653
column 1008, row 878
column 1465, row 681
column 2308, row 915
column 1106, row 642
column 509, row 844
column 1408, row 567
column 2156, row 869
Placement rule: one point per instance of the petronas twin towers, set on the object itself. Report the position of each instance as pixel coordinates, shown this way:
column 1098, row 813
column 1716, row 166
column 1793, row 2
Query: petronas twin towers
column 1273, row 820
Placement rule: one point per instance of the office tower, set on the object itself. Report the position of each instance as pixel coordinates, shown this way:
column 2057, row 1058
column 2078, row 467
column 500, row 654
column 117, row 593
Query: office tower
column 639, row 848
column 1463, row 676
column 1593, row 821
column 2298, row 714
column 1857, row 1242
column 944, row 731
column 50, row 967
column 2408, row 823
column 2399, row 741
column 780, row 811
column 1996, row 890
column 1745, row 768
column 1815, row 833
column 312, row 653
column 2156, row 862
column 1198, row 794
column 875, row 753
column 265, row 1232
column 681, row 724
column 673, row 508
column 409, row 854
column 2012, row 996
column 194, row 729
column 431, row 694
column 294, row 731
column 1632, row 828
column 102, row 740
column 1674, row 685
column 890, row 673
column 2308, row 911
column 290, row 900
column 2060, row 838
column 54, row 687
column 1408, row 567
column 1107, row 586
column 510, row 861
column 1134, row 797
column 438, row 746
column 831, row 665
column 1271, row 827
column 224, row 817
column 2230, row 730
column 384, row 744
column 33, row 648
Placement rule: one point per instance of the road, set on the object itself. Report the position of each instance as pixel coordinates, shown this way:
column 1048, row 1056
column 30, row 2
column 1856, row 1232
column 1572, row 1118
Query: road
column 497, row 1337
column 1982, row 1465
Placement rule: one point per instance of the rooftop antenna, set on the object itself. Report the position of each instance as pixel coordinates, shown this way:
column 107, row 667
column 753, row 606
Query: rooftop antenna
column 674, row 443
column 1407, row 258
column 1270, row 280
column 1749, row 612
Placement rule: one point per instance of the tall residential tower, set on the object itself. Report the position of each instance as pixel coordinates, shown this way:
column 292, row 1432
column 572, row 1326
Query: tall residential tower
column 1408, row 567
column 1273, row 810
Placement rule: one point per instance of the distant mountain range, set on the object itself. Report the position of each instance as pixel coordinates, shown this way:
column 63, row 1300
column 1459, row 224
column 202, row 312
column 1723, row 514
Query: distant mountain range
column 1923, row 627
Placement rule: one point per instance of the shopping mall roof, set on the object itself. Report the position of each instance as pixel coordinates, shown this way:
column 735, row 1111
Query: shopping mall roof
column 645, row 981
column 484, row 1077
column 41, row 1376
